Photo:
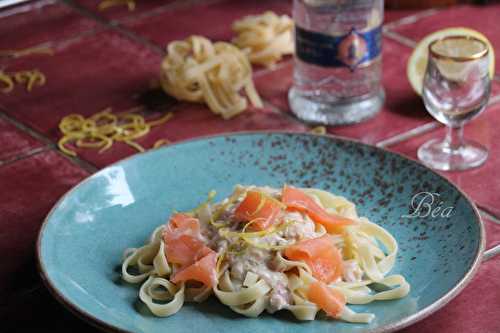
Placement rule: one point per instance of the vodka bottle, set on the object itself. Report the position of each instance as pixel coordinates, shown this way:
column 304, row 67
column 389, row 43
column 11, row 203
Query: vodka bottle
column 337, row 70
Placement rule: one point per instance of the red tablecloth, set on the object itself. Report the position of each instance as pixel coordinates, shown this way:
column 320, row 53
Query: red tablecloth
column 109, row 58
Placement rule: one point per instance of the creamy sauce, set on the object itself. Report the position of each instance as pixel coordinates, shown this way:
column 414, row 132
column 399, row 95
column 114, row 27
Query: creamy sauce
column 301, row 227
column 260, row 261
column 352, row 271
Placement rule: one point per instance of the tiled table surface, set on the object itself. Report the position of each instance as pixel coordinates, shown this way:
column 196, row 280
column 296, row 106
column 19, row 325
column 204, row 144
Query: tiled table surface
column 110, row 58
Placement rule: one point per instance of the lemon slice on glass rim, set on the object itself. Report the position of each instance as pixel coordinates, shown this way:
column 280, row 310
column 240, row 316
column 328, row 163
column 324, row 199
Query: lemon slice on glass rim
column 417, row 63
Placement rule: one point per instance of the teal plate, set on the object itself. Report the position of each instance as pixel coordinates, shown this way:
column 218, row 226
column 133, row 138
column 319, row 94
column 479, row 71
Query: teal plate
column 82, row 240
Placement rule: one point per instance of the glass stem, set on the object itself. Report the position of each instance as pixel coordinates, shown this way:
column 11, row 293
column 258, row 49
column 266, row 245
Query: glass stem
column 454, row 137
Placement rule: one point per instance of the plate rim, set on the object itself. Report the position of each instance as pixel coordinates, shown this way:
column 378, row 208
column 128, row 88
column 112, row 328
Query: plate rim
column 84, row 315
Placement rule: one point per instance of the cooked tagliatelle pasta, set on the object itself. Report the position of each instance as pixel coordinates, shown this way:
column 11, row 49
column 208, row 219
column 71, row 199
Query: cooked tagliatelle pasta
column 267, row 249
column 265, row 38
column 197, row 70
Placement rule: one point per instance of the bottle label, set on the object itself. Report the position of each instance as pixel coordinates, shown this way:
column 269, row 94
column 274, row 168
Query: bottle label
column 354, row 49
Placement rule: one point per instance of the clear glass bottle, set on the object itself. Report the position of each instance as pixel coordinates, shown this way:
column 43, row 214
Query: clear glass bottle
column 338, row 60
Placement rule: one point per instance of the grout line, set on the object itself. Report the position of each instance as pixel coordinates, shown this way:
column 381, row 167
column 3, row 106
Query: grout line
column 26, row 129
column 263, row 71
column 179, row 4
column 87, row 166
column 49, row 145
column 399, row 38
column 408, row 134
column 61, row 44
column 287, row 115
column 25, row 155
column 488, row 215
column 276, row 109
column 112, row 25
column 138, row 38
column 494, row 100
column 410, row 19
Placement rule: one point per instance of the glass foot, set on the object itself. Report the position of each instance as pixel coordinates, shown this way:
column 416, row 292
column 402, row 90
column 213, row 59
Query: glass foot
column 438, row 155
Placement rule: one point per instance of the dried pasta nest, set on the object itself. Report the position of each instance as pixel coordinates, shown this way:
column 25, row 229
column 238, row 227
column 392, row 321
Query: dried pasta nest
column 197, row 70
column 265, row 38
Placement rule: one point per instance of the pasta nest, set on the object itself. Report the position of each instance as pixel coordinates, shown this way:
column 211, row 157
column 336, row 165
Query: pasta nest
column 265, row 38
column 197, row 70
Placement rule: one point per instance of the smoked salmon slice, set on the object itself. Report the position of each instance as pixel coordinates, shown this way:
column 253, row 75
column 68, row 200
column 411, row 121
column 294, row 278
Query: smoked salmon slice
column 322, row 257
column 295, row 199
column 329, row 300
column 202, row 270
column 182, row 223
column 259, row 208
column 185, row 247
column 182, row 239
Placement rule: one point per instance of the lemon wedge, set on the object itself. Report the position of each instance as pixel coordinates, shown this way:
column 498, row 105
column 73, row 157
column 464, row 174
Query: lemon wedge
column 417, row 63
